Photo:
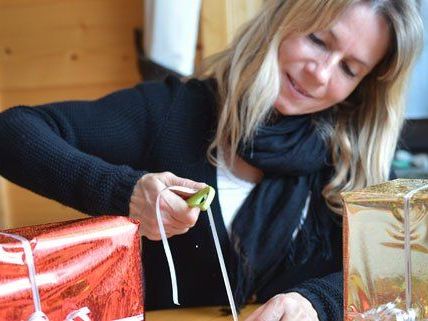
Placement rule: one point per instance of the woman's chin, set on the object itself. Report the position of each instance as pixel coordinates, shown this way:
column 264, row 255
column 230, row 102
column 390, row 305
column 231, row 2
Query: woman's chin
column 281, row 106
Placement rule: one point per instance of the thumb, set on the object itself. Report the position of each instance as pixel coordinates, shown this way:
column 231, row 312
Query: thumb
column 185, row 186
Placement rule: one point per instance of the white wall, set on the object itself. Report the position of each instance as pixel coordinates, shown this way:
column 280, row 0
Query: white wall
column 171, row 32
column 417, row 102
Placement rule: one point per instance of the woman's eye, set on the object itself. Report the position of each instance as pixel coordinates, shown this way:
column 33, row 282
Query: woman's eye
column 317, row 40
column 347, row 70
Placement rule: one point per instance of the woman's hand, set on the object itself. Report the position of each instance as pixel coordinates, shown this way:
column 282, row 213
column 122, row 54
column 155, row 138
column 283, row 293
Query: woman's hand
column 285, row 307
column 178, row 218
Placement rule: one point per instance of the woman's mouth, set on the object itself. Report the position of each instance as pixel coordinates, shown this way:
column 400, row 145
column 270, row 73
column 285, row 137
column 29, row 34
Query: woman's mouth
column 297, row 88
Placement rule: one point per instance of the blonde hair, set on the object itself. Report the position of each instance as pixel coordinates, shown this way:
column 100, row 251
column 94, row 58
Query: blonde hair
column 362, row 131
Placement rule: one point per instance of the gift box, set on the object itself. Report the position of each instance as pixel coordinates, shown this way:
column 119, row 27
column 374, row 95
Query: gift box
column 386, row 251
column 87, row 268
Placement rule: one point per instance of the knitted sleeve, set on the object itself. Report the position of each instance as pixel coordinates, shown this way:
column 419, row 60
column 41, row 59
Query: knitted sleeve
column 84, row 154
column 325, row 294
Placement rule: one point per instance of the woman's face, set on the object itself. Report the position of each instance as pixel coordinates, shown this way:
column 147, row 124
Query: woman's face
column 323, row 68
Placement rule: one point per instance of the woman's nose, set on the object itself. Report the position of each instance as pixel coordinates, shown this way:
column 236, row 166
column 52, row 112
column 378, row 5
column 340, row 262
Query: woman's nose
column 321, row 70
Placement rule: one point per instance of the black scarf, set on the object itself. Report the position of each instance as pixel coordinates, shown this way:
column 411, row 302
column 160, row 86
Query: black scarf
column 291, row 153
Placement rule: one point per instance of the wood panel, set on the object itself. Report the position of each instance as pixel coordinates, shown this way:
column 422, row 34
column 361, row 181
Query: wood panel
column 52, row 50
column 240, row 12
column 49, row 43
column 37, row 96
column 28, row 208
column 220, row 20
column 4, row 204
column 198, row 314
column 214, row 27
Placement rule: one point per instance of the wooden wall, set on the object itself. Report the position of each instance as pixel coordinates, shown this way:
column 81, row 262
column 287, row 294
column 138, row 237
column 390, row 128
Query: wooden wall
column 59, row 50
column 54, row 50
column 220, row 19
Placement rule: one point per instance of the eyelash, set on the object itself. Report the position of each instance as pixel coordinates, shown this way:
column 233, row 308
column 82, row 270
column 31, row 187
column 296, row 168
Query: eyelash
column 319, row 42
column 348, row 70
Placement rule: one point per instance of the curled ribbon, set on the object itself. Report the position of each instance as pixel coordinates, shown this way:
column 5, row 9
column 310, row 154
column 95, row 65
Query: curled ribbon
column 407, row 245
column 38, row 314
column 385, row 312
column 82, row 313
column 171, row 261
column 389, row 311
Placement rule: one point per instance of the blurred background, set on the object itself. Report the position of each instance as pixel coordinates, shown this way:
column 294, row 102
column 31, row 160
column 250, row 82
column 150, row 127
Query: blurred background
column 411, row 159
column 52, row 50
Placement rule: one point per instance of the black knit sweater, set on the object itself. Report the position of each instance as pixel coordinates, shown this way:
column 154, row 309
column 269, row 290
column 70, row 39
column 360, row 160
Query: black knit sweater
column 89, row 155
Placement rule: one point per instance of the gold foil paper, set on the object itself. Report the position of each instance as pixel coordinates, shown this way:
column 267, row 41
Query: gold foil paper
column 374, row 255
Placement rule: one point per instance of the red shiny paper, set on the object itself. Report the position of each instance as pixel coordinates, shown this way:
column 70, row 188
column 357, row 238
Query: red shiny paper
column 92, row 263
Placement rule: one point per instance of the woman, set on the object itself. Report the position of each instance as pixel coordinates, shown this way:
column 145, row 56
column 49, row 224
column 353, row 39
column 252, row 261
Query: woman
column 306, row 103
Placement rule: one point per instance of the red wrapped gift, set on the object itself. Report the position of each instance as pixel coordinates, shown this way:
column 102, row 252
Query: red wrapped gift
column 88, row 268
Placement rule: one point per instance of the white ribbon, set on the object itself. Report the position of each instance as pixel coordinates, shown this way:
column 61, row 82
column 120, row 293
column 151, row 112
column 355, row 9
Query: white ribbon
column 407, row 245
column 38, row 315
column 171, row 261
column 386, row 312
column 222, row 265
column 165, row 243
column 82, row 313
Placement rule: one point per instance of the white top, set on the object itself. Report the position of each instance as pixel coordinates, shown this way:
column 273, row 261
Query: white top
column 232, row 192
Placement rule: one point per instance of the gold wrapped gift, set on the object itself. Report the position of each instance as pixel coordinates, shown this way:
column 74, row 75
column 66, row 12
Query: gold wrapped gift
column 386, row 251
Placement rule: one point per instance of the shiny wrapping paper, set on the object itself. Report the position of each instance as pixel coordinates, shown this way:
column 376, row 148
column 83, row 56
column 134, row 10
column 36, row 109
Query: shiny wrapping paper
column 94, row 263
column 374, row 248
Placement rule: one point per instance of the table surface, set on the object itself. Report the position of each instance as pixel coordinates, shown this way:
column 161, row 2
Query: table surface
column 196, row 314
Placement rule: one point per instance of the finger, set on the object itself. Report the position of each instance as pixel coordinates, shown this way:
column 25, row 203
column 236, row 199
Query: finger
column 146, row 190
column 274, row 310
column 255, row 315
column 152, row 236
column 135, row 214
column 140, row 214
column 173, row 180
column 156, row 236
column 298, row 316
column 298, row 305
column 189, row 217
column 183, row 192
column 293, row 310
column 178, row 211
column 171, row 226
column 175, row 231
column 148, row 224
